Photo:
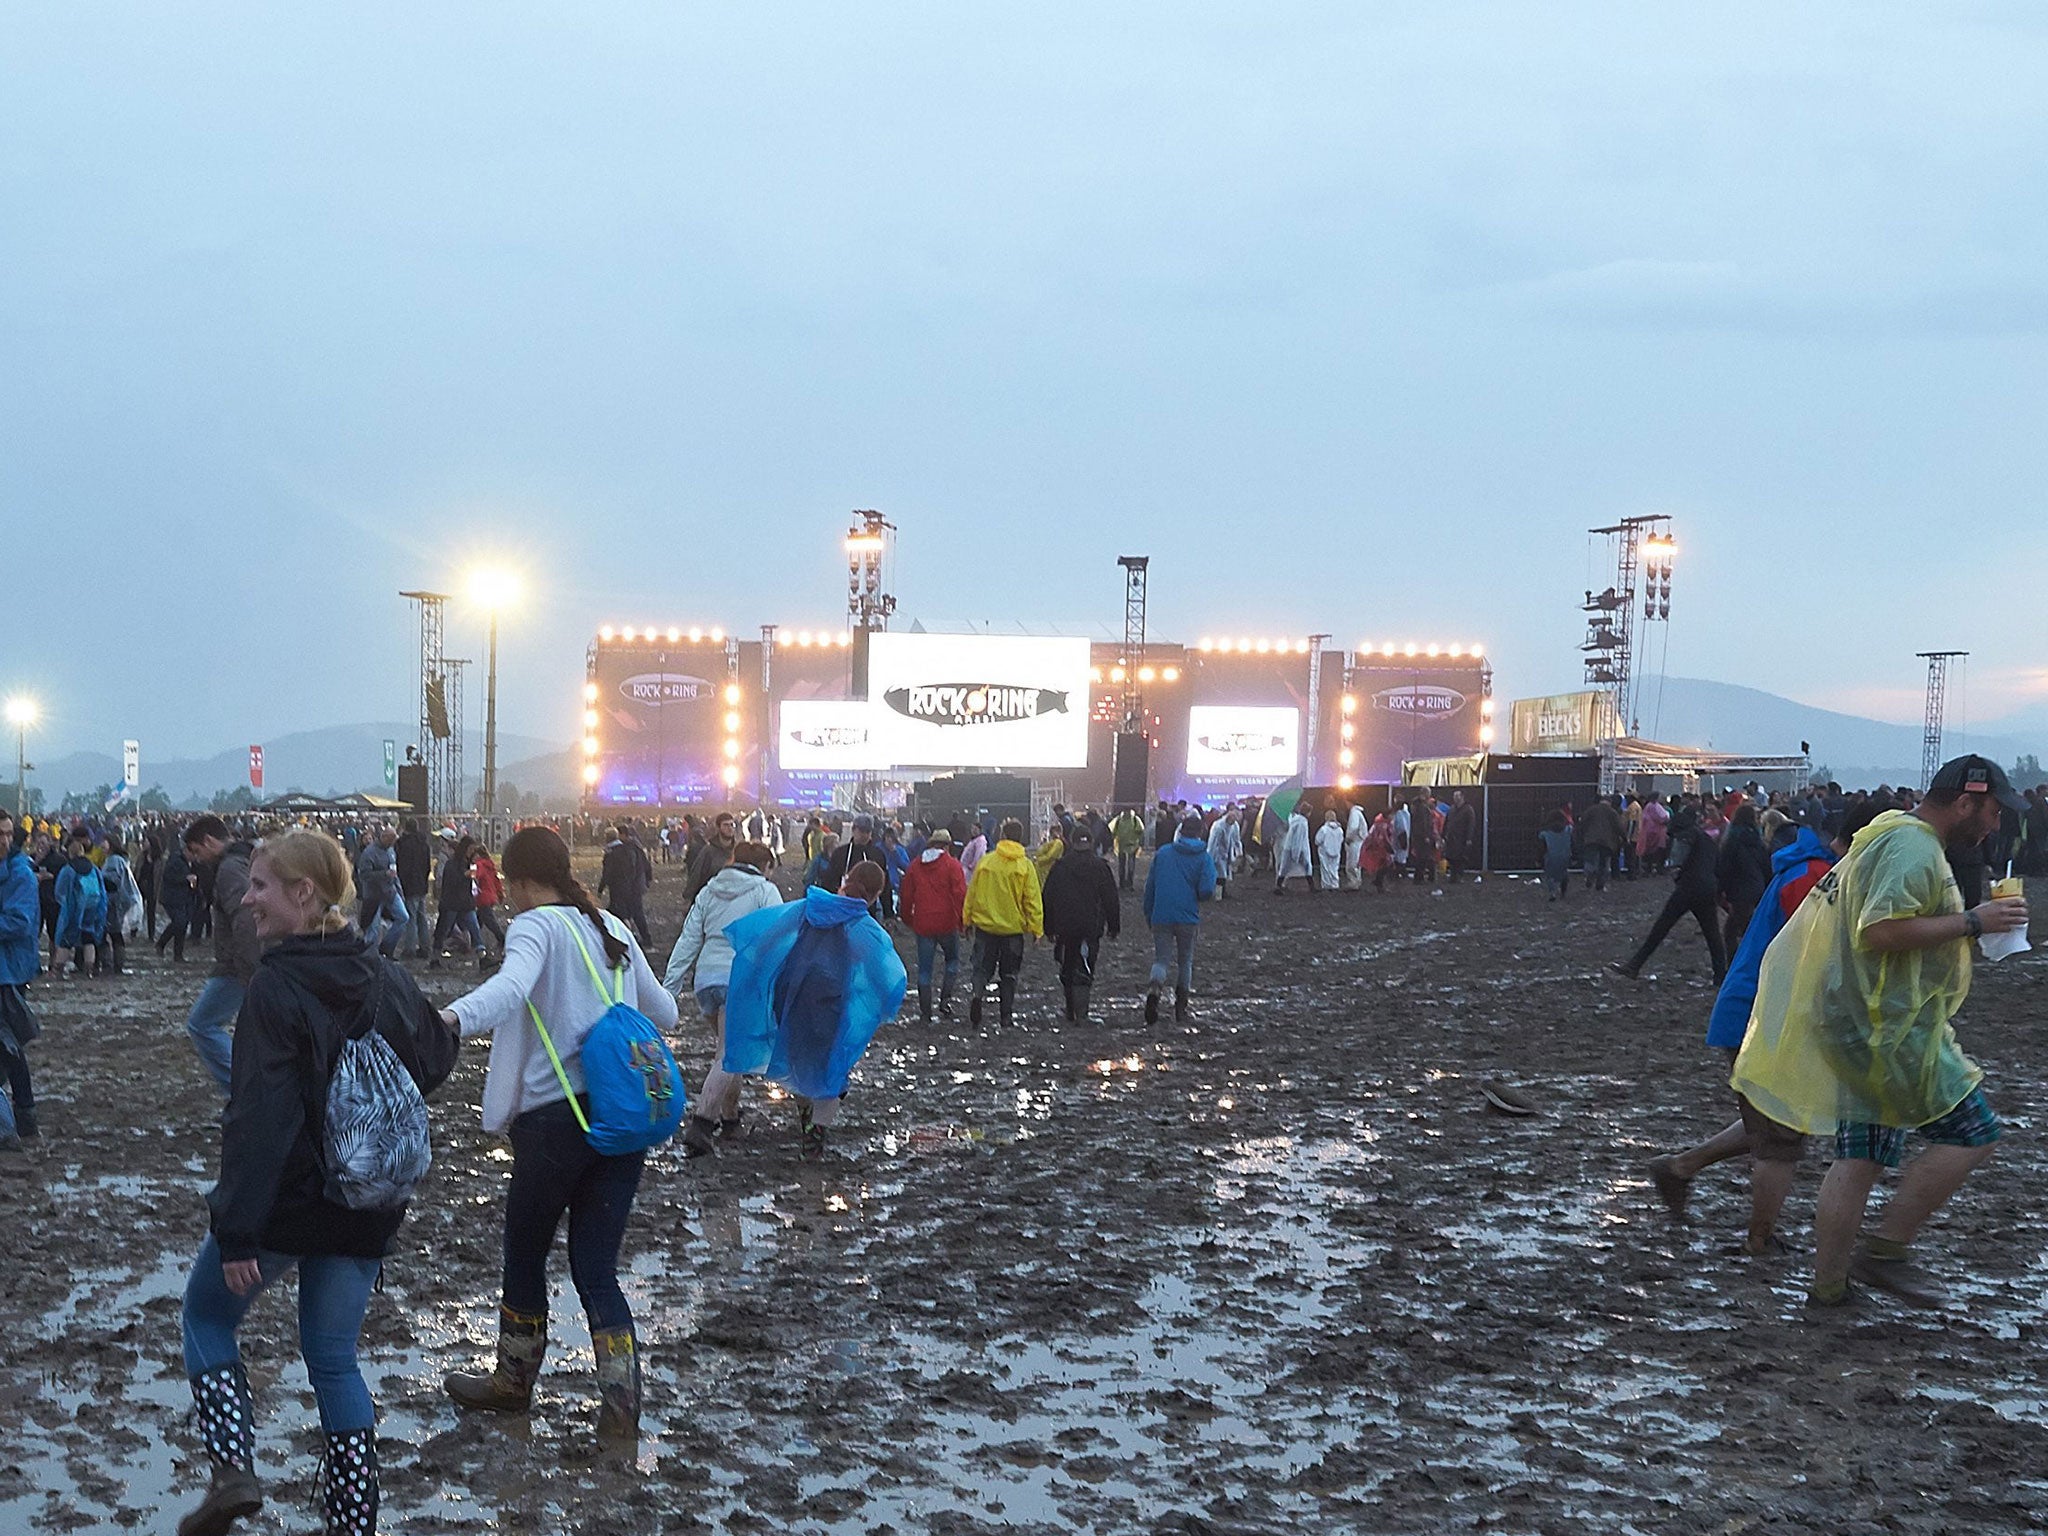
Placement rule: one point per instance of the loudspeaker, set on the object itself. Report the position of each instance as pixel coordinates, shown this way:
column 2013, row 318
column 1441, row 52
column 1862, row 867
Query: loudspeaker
column 412, row 787
column 1133, row 769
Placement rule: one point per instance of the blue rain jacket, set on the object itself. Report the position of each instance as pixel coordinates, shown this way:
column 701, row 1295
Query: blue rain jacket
column 1794, row 869
column 1183, row 876
column 21, row 918
column 811, row 982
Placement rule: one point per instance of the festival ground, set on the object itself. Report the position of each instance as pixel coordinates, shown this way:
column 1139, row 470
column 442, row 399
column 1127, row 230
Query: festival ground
column 1278, row 1269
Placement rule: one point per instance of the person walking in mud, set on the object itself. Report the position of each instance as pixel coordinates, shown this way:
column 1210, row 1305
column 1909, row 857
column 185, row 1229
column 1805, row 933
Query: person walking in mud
column 555, row 1171
column 1696, row 890
column 237, row 948
column 273, row 1208
column 20, row 960
column 1774, row 1153
column 1004, row 905
column 701, row 961
column 1181, row 879
column 1853, row 1035
column 1081, row 904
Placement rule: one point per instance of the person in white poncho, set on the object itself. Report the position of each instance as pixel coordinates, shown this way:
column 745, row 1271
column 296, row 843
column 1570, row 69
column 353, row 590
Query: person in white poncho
column 1294, row 856
column 1329, row 852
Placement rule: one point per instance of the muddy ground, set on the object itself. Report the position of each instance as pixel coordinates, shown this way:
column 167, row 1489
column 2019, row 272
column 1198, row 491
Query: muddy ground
column 1277, row 1269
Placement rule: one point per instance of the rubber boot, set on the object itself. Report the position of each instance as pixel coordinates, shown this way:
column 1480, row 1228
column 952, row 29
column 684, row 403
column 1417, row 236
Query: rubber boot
column 974, row 1006
column 349, row 1490
column 699, row 1136
column 1180, row 1004
column 522, row 1341
column 924, row 1002
column 618, row 1384
column 226, row 1418
column 946, row 997
column 1006, row 999
column 1067, row 987
column 1152, row 1005
column 1079, row 1011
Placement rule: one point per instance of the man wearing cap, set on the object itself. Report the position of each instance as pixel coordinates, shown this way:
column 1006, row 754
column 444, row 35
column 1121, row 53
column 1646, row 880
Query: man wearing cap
column 1852, row 1037
column 861, row 848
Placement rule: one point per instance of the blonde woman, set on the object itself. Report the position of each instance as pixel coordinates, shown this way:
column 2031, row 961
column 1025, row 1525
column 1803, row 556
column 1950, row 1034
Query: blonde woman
column 317, row 984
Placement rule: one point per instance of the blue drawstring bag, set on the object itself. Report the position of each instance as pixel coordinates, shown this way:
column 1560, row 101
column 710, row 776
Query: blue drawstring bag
column 636, row 1089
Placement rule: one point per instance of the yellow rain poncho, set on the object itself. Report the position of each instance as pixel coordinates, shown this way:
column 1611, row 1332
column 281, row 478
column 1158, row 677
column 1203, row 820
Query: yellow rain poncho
column 1841, row 1032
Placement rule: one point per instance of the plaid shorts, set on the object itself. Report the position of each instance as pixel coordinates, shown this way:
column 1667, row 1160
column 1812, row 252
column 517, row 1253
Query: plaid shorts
column 1970, row 1124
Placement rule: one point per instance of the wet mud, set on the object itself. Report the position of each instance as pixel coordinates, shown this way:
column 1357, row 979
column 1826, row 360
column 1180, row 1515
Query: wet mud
column 1277, row 1269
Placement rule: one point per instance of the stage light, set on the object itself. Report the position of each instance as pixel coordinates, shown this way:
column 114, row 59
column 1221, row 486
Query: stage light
column 1095, row 674
column 590, row 746
column 1350, row 703
column 696, row 633
column 1347, row 730
column 732, row 720
column 732, row 748
column 1301, row 647
column 846, row 637
column 1485, row 735
column 732, row 693
column 1343, row 781
column 784, row 637
column 1171, row 674
column 718, row 636
column 1478, row 651
column 1116, row 674
column 493, row 588
column 1244, row 644
column 674, row 634
column 1410, row 648
column 1347, row 757
column 803, row 637
column 1204, row 644
column 1486, row 708
column 1389, row 648
column 604, row 632
column 1265, row 646
column 1146, row 674
column 590, row 693
column 731, row 776
column 590, row 720
column 590, row 773
column 626, row 633
column 1434, row 649
column 1457, row 651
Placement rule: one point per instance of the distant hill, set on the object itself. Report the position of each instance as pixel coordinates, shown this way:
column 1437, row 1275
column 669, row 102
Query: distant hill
column 1729, row 718
column 335, row 760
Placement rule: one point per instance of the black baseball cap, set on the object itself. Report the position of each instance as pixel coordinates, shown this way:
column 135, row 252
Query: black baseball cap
column 1973, row 775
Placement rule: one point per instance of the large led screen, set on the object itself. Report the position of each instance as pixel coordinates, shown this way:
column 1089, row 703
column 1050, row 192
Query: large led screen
column 826, row 736
column 1241, row 743
column 660, row 732
column 979, row 701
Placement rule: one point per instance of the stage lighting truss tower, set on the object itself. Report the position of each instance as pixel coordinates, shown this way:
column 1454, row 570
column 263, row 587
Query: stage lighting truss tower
column 1616, row 634
column 451, row 669
column 763, row 738
column 1937, row 710
column 1135, row 571
column 438, row 724
column 1315, row 703
column 868, row 542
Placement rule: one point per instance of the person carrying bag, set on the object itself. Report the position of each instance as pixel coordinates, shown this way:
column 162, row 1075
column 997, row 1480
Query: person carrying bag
column 565, row 1071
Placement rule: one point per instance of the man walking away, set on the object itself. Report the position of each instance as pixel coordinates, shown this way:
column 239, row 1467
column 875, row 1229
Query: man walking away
column 1697, row 891
column 1004, row 904
column 935, row 906
column 1853, row 1034
column 626, row 874
column 1128, row 833
column 236, row 948
column 1600, row 834
column 21, row 919
column 414, row 856
column 1181, row 878
column 1081, row 901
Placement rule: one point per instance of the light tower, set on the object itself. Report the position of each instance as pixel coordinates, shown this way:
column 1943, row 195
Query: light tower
column 1131, row 774
column 1937, row 710
column 435, row 728
column 868, row 603
column 1615, row 632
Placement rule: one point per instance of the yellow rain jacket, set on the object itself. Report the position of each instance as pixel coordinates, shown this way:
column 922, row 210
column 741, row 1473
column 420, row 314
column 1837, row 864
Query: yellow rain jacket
column 1050, row 852
column 1003, row 896
column 1844, row 1033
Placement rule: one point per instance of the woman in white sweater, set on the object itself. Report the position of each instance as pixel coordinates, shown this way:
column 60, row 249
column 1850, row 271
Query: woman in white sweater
column 702, row 962
column 554, row 1167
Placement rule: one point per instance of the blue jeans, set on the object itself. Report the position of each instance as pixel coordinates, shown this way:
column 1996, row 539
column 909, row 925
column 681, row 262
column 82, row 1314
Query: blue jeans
column 556, row 1169
column 416, row 911
column 212, row 1012
column 388, row 920
column 333, row 1293
column 1174, row 943
column 927, row 951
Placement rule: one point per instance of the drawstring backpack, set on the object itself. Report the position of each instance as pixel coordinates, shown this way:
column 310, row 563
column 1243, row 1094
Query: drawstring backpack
column 636, row 1090
column 375, row 1141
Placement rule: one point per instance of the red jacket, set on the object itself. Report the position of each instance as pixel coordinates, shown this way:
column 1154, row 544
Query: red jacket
column 488, row 892
column 934, row 896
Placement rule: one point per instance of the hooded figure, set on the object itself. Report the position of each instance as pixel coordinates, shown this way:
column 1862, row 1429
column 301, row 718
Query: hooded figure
column 1329, row 851
column 1226, row 847
column 1294, row 854
column 811, row 982
column 1081, row 901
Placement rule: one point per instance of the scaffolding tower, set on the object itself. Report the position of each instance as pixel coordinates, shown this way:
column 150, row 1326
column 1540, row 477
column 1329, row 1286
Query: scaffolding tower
column 1615, row 633
column 1135, row 569
column 440, row 716
column 451, row 672
column 1937, row 710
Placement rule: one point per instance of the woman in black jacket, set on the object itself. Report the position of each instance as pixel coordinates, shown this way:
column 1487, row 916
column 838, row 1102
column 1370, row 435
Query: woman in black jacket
column 1694, row 890
column 317, row 985
column 458, row 902
column 1743, row 872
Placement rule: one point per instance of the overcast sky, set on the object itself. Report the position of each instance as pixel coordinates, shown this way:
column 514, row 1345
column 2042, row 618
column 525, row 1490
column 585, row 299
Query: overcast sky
column 1353, row 317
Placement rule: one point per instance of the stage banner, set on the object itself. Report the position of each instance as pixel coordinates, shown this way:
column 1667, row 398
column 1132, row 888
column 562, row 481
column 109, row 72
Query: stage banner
column 1563, row 722
column 255, row 766
column 391, row 765
column 979, row 701
column 131, row 767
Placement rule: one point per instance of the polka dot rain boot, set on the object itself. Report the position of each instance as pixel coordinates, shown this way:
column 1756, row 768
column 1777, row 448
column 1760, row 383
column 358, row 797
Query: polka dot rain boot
column 225, row 1414
column 349, row 1489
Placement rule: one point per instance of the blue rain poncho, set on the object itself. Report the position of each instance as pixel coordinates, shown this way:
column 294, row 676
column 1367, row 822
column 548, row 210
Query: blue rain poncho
column 812, row 981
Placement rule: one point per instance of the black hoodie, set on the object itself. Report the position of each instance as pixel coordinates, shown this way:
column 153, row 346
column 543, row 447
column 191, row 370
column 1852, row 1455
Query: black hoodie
column 309, row 994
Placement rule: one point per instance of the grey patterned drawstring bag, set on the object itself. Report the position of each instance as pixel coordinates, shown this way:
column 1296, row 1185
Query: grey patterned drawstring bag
column 375, row 1144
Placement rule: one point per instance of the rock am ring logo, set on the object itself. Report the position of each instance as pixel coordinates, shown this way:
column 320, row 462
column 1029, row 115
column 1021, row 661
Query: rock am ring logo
column 960, row 704
column 1421, row 701
column 646, row 688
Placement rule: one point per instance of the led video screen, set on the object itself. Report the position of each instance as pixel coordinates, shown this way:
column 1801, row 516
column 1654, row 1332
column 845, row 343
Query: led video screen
column 1241, row 743
column 979, row 701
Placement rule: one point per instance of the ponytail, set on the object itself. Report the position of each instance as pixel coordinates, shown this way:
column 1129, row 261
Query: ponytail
column 538, row 856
